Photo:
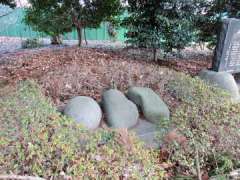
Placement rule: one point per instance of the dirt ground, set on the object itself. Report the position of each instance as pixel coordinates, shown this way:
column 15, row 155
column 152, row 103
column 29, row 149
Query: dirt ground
column 14, row 44
column 67, row 72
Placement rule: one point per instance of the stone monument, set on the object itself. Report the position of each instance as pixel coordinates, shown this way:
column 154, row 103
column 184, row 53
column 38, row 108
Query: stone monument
column 227, row 53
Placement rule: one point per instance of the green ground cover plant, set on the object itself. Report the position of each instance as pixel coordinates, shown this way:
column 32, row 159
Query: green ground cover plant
column 210, row 122
column 37, row 140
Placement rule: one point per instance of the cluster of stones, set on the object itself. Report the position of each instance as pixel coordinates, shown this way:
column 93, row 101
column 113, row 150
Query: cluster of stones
column 121, row 111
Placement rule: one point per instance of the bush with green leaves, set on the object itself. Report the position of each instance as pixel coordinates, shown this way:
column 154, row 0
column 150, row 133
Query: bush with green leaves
column 56, row 17
column 165, row 25
column 31, row 43
column 10, row 3
column 48, row 17
column 37, row 140
column 210, row 15
column 209, row 121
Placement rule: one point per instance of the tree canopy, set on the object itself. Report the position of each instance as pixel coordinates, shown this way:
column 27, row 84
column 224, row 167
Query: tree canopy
column 49, row 17
column 160, row 24
column 173, row 24
column 91, row 13
column 59, row 16
column 10, row 3
column 212, row 13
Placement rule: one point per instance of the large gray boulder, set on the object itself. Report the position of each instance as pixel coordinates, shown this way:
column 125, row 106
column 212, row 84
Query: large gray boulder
column 120, row 112
column 84, row 110
column 153, row 107
column 222, row 80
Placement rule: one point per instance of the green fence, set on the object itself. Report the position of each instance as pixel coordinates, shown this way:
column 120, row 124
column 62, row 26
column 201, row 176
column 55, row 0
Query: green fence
column 11, row 25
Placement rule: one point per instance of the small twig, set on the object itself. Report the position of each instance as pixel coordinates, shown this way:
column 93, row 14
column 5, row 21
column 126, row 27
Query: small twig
column 16, row 177
column 215, row 159
column 197, row 163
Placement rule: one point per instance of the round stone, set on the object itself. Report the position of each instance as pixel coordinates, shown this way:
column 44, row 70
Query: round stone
column 84, row 110
column 120, row 112
column 153, row 107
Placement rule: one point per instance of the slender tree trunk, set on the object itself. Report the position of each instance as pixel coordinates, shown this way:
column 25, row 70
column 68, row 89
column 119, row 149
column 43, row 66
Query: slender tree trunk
column 85, row 37
column 201, row 44
column 155, row 54
column 56, row 40
column 79, row 33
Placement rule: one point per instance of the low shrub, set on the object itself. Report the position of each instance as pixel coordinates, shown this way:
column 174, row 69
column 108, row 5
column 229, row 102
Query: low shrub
column 36, row 140
column 210, row 124
column 31, row 43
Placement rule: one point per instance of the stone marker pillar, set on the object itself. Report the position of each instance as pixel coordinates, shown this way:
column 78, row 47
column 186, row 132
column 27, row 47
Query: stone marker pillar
column 227, row 53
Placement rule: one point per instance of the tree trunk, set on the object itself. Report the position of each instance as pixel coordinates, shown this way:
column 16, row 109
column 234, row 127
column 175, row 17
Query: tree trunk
column 201, row 44
column 85, row 37
column 79, row 33
column 155, row 54
column 56, row 40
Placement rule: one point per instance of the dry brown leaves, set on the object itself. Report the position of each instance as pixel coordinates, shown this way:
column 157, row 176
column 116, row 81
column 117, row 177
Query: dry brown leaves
column 124, row 139
column 175, row 136
column 64, row 73
column 192, row 67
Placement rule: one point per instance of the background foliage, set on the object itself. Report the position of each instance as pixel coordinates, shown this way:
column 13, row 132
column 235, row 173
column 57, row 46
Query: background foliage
column 212, row 12
column 173, row 25
column 48, row 17
column 58, row 17
column 154, row 24
column 10, row 3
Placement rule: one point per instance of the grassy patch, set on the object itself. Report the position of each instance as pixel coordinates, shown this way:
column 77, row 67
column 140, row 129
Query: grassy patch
column 36, row 140
column 209, row 122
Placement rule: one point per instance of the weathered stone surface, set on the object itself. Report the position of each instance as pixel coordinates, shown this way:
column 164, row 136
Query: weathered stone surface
column 153, row 107
column 120, row 112
column 222, row 80
column 227, row 53
column 147, row 132
column 85, row 111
